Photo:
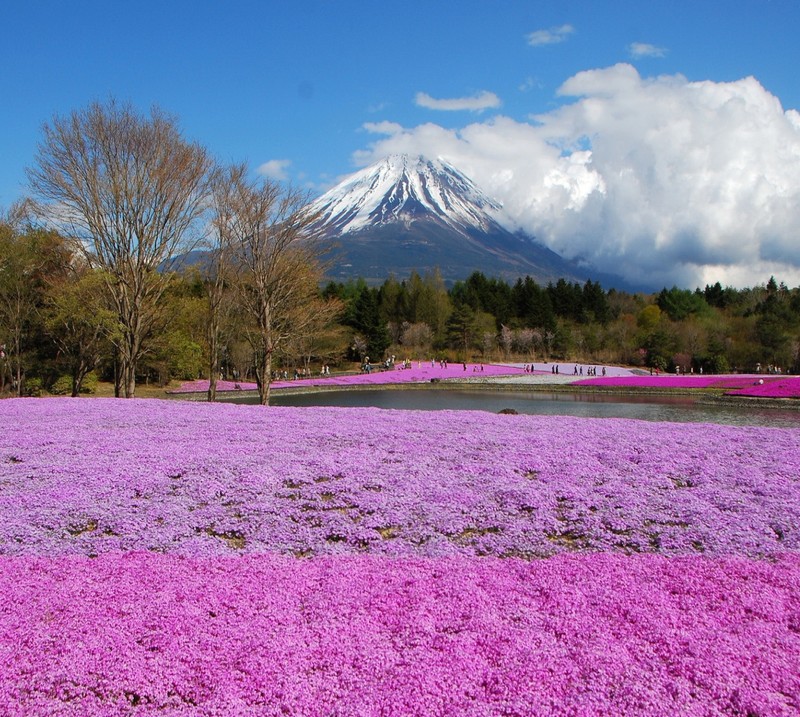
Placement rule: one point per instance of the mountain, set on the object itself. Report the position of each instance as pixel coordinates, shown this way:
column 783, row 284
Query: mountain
column 411, row 213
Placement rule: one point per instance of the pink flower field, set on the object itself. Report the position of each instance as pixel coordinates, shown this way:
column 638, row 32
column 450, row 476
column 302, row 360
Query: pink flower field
column 418, row 373
column 173, row 558
column 738, row 385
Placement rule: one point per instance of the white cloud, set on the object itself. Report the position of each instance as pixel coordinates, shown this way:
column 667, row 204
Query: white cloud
column 275, row 169
column 382, row 127
column 481, row 101
column 643, row 49
column 660, row 179
column 550, row 37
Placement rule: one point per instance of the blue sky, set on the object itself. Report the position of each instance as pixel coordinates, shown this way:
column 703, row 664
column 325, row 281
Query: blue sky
column 310, row 91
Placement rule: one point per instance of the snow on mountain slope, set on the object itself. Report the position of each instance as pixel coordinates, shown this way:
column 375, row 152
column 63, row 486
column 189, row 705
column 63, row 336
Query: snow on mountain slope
column 402, row 189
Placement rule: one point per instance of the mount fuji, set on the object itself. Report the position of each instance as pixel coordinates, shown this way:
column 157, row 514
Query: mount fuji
column 407, row 214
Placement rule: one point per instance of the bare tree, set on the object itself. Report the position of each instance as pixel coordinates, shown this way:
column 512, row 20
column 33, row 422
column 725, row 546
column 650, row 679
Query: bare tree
column 506, row 339
column 277, row 267
column 418, row 335
column 128, row 189
column 218, row 272
column 315, row 337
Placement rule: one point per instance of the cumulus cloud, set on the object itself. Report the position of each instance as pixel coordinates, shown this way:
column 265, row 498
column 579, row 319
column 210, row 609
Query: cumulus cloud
column 553, row 36
column 643, row 49
column 476, row 103
column 662, row 180
column 275, row 169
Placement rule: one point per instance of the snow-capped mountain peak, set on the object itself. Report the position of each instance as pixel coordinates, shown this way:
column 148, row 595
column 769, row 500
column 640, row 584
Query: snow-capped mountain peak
column 402, row 189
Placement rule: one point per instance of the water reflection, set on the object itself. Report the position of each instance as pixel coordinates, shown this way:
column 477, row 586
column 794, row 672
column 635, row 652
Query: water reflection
column 590, row 405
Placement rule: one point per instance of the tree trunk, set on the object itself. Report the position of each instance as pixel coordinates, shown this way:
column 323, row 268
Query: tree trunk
column 129, row 380
column 264, row 376
column 213, row 363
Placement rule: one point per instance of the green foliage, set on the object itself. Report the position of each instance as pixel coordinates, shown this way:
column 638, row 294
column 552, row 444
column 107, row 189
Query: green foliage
column 679, row 304
column 185, row 358
column 649, row 318
column 365, row 318
column 718, row 364
column 62, row 386
column 33, row 386
column 532, row 305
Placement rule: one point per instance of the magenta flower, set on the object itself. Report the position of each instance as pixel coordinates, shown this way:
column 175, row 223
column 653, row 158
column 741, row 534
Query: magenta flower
column 179, row 558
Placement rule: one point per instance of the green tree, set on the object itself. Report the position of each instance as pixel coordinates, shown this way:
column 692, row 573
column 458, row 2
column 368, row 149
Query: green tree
column 429, row 302
column 80, row 323
column 679, row 304
column 29, row 259
column 367, row 321
column 463, row 328
column 532, row 305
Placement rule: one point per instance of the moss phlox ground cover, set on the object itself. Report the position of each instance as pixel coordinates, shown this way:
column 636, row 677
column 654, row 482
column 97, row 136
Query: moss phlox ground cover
column 765, row 386
column 175, row 558
column 418, row 372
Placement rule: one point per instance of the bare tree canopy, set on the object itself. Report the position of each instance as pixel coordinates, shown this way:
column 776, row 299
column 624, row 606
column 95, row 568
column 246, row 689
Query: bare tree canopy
column 129, row 190
column 268, row 228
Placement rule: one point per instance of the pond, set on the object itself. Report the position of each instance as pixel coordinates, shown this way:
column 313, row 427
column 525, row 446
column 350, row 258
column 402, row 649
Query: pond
column 549, row 403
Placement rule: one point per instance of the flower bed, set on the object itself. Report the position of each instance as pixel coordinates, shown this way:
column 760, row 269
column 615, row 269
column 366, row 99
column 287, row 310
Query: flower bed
column 671, row 381
column 774, row 388
column 177, row 558
column 146, row 634
column 738, row 385
column 418, row 373
column 108, row 475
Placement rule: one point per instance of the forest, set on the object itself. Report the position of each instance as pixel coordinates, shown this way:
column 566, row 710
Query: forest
column 59, row 330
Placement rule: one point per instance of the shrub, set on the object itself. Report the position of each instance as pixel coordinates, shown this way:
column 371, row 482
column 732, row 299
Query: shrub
column 90, row 382
column 33, row 387
column 62, row 386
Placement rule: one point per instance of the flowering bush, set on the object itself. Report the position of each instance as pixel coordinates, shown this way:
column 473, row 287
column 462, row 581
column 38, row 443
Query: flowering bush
column 171, row 558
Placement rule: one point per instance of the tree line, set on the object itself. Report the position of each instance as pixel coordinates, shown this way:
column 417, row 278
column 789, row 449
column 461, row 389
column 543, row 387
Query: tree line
column 715, row 329
column 140, row 258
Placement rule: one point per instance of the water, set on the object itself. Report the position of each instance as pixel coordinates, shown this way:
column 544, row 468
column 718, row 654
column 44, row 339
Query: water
column 681, row 409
